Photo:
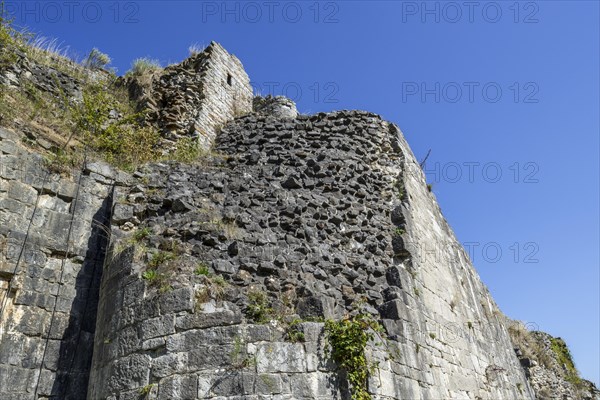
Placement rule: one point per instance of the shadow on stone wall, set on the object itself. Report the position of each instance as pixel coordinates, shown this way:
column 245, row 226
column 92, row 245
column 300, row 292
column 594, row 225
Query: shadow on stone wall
column 76, row 347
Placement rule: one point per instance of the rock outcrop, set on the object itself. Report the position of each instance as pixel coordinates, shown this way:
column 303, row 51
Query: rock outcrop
column 213, row 279
column 23, row 71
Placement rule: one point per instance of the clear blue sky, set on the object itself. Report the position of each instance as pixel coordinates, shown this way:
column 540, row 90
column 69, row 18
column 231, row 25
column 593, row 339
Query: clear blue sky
column 490, row 88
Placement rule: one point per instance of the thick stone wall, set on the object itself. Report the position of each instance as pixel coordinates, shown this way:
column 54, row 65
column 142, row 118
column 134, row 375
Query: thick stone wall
column 316, row 212
column 53, row 231
column 277, row 106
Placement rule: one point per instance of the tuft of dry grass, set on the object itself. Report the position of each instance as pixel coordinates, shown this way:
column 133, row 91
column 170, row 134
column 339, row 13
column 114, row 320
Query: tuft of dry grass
column 143, row 67
column 196, row 48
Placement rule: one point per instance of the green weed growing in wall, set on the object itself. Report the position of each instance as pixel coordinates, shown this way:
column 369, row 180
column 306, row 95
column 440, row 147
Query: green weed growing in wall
column 348, row 340
column 294, row 332
column 259, row 307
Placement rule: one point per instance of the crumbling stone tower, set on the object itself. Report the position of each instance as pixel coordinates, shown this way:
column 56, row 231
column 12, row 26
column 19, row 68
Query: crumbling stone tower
column 196, row 97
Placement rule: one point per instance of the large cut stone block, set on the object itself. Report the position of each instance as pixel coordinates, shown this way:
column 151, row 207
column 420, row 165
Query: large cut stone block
column 280, row 357
column 129, row 373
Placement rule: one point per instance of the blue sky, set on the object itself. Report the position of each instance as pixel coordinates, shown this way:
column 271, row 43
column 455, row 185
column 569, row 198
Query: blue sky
column 505, row 94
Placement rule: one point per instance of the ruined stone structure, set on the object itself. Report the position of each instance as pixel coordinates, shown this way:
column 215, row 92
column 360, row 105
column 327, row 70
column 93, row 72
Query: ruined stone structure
column 306, row 210
column 196, row 97
column 182, row 281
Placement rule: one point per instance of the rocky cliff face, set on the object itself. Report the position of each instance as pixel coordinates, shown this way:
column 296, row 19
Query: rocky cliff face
column 214, row 279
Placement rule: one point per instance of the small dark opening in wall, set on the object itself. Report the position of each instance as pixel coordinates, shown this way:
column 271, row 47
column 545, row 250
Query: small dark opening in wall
column 229, row 79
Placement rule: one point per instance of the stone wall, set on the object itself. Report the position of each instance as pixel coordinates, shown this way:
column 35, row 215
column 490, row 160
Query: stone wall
column 53, row 231
column 196, row 97
column 276, row 106
column 220, row 273
column 316, row 212
column 227, row 93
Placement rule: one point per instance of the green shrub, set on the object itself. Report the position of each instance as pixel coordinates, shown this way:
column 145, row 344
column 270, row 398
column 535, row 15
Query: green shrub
column 123, row 142
column 293, row 333
column 165, row 287
column 11, row 39
column 188, row 150
column 259, row 308
column 202, row 269
column 348, row 340
column 563, row 355
column 151, row 275
column 159, row 258
column 219, row 281
column 105, row 122
column 142, row 234
column 145, row 391
column 6, row 29
column 240, row 358
column 157, row 279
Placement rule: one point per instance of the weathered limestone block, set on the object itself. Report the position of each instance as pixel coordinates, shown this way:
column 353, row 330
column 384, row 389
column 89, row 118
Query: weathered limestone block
column 280, row 357
column 129, row 373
